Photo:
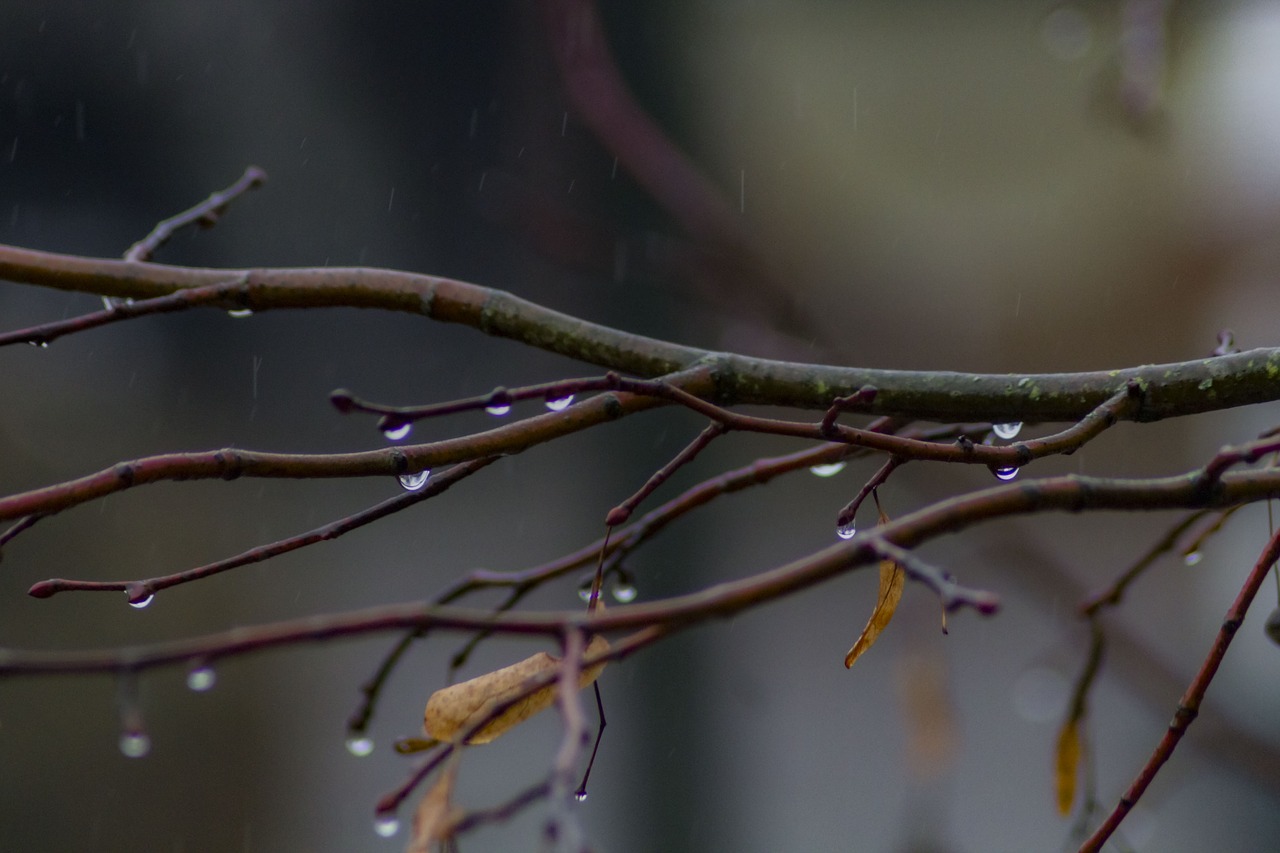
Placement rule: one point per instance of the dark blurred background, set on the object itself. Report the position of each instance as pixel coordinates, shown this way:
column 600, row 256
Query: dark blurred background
column 1002, row 186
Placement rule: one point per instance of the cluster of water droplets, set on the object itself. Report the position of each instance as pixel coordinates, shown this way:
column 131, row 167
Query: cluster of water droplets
column 1008, row 432
column 623, row 592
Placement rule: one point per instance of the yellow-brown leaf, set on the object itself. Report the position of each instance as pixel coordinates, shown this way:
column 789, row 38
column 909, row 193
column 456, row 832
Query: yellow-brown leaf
column 436, row 817
column 1066, row 763
column 892, row 579
column 451, row 710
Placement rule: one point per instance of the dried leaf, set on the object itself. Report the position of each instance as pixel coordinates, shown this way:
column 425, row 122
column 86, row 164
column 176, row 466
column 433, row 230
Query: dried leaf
column 451, row 710
column 436, row 817
column 1068, row 759
column 892, row 580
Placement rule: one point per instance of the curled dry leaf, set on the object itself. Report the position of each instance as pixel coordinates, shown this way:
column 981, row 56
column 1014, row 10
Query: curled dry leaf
column 892, row 579
column 451, row 710
column 1066, row 763
column 436, row 817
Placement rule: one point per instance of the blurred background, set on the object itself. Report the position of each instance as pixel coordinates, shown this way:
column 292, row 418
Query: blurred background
column 1004, row 186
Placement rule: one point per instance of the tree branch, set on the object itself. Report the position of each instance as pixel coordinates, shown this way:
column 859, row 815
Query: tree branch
column 1170, row 390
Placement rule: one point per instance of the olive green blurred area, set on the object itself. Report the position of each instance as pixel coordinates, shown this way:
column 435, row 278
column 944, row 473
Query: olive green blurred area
column 1002, row 186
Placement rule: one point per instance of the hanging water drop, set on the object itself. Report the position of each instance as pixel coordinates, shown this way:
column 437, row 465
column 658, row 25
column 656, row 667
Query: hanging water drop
column 828, row 470
column 623, row 593
column 580, row 796
column 498, row 410
column 135, row 744
column 386, row 826
column 1005, row 473
column 141, row 602
column 111, row 303
column 559, row 404
column 414, row 482
column 201, row 678
column 396, row 431
column 1007, row 431
column 40, row 344
column 1191, row 558
column 360, row 745
column 240, row 312
column 585, row 593
column 846, row 531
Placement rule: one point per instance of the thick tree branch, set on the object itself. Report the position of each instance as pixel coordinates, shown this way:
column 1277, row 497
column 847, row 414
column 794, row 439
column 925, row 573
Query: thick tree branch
column 1170, row 390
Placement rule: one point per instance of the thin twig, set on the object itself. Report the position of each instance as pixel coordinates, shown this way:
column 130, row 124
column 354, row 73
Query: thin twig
column 205, row 214
column 144, row 587
column 1070, row 493
column 1189, row 704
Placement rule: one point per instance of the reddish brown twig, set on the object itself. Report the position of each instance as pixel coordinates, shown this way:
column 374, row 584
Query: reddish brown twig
column 1189, row 704
column 141, row 588
column 205, row 214
column 622, row 512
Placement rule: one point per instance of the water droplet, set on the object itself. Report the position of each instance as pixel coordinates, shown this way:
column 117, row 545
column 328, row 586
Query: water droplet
column 142, row 602
column 40, row 344
column 359, row 745
column 829, row 470
column 847, row 531
column 1007, row 431
column 1006, row 473
column 500, row 410
column 413, row 482
column 580, row 796
column 585, row 593
column 395, row 432
column 386, row 826
column 560, row 403
column 1191, row 558
column 623, row 593
column 135, row 744
column 113, row 302
column 201, row 679
column 240, row 312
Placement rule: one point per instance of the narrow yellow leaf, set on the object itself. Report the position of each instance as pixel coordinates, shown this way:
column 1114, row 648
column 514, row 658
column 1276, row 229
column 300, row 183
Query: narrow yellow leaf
column 892, row 580
column 1068, row 760
column 451, row 710
column 436, row 817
